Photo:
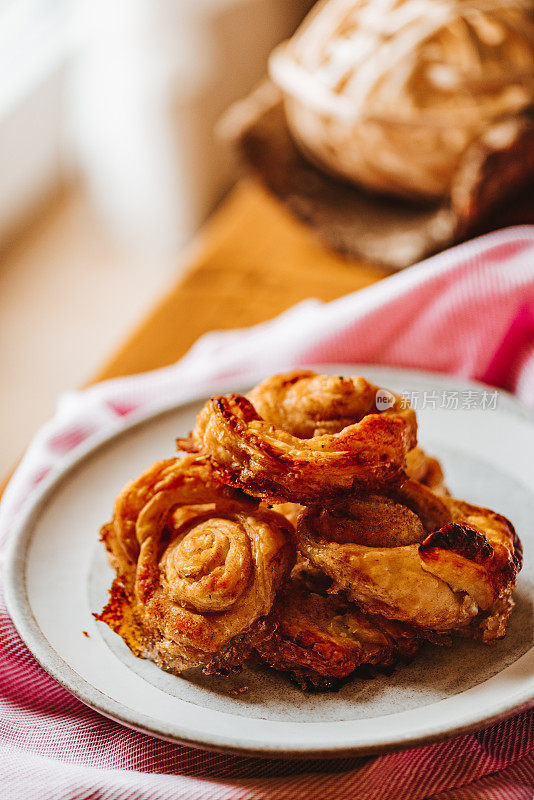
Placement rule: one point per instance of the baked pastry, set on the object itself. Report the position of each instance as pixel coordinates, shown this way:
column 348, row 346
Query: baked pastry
column 306, row 404
column 399, row 96
column 198, row 567
column 291, row 511
column 438, row 563
column 426, row 469
column 321, row 638
column 267, row 461
column 421, row 467
column 206, row 574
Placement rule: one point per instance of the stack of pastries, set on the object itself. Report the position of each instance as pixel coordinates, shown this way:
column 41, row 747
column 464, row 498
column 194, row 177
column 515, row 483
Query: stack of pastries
column 305, row 527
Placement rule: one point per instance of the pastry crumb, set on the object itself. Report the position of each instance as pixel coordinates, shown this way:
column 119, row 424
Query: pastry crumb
column 237, row 692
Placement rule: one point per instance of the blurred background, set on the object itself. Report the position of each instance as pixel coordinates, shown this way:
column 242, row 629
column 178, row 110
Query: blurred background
column 109, row 165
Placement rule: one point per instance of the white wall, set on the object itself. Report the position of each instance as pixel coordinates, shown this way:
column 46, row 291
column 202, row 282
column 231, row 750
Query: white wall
column 153, row 78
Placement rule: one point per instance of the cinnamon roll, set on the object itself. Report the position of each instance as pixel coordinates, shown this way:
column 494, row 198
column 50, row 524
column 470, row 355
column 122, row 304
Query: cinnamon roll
column 198, row 567
column 306, row 404
column 411, row 555
column 297, row 458
column 421, row 467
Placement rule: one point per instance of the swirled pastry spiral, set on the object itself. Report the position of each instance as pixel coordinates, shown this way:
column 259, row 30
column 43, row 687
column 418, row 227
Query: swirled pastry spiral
column 411, row 555
column 266, row 460
column 321, row 638
column 198, row 567
column 306, row 404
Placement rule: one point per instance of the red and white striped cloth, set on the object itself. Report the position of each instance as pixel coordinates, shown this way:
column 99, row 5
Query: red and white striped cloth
column 468, row 311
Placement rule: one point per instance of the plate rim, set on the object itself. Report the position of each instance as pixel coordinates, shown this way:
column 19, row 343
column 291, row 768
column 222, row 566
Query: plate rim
column 20, row 611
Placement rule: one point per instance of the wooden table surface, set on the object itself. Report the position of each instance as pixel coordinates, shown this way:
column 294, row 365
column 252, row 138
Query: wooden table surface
column 251, row 262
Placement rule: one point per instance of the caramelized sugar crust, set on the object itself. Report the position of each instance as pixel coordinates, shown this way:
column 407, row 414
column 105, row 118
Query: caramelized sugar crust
column 203, row 546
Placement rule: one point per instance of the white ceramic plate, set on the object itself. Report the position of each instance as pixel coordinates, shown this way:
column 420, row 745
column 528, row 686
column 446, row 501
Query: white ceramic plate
column 57, row 575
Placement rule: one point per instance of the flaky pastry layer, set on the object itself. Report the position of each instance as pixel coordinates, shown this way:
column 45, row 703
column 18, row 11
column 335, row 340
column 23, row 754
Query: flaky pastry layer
column 198, row 567
column 271, row 462
column 433, row 561
column 320, row 638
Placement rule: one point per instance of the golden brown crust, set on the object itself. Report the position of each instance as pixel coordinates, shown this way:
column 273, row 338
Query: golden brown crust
column 478, row 552
column 252, row 454
column 306, row 404
column 198, row 567
column 364, row 101
column 426, row 469
column 387, row 558
column 495, row 165
column 323, row 634
column 414, row 556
